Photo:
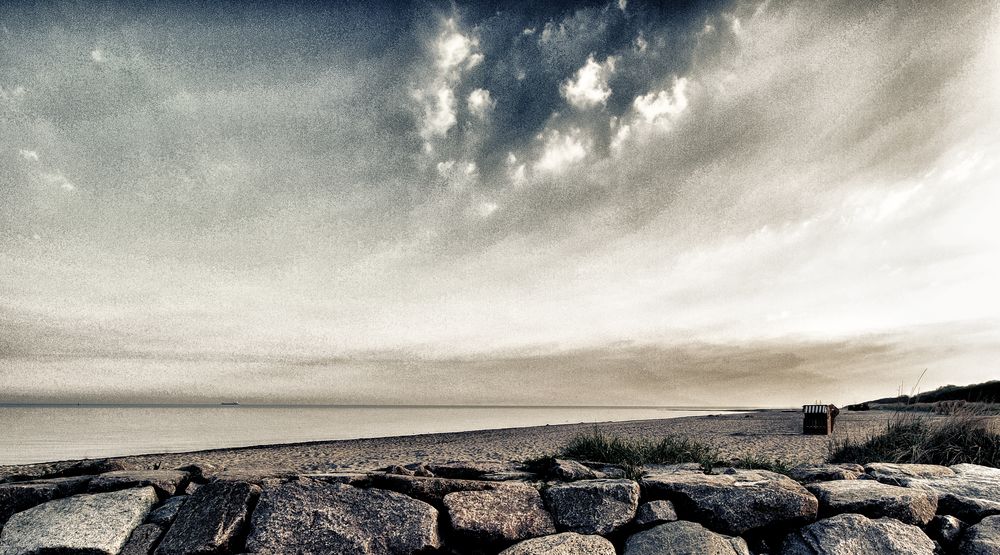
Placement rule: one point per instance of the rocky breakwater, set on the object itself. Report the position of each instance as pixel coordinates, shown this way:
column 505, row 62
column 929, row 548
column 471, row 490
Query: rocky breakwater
column 565, row 508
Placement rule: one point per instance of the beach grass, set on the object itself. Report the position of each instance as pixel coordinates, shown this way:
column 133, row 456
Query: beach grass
column 967, row 436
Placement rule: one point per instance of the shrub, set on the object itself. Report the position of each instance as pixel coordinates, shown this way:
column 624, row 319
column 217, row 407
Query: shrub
column 966, row 436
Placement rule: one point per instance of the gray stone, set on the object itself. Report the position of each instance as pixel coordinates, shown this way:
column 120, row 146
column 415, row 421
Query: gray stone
column 982, row 539
column 875, row 499
column 430, row 490
column 811, row 473
column 571, row 470
column 470, row 470
column 853, row 534
column 356, row 479
column 945, row 529
column 166, row 482
column 509, row 513
column 510, row 476
column 971, row 492
column 898, row 474
column 167, row 511
column 18, row 496
column 209, row 520
column 321, row 518
column 593, row 506
column 90, row 523
column 734, row 502
column 567, row 543
column 142, row 540
column 257, row 476
column 684, row 538
column 655, row 512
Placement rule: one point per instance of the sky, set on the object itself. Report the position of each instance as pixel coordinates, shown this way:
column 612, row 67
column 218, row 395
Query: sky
column 743, row 203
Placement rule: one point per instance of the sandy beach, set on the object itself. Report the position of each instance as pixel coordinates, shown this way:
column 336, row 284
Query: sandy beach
column 773, row 434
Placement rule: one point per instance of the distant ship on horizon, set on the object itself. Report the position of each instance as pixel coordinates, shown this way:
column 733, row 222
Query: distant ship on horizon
column 230, row 403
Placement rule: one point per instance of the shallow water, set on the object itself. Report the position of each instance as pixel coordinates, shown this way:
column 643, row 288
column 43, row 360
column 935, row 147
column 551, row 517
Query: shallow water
column 58, row 432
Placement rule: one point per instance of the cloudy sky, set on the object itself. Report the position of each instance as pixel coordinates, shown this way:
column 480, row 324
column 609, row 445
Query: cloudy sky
column 742, row 203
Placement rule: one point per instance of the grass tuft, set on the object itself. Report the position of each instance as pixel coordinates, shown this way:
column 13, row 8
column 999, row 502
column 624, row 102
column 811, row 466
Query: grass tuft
column 966, row 436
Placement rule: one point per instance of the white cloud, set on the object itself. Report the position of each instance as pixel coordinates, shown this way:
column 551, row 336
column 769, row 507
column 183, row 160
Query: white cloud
column 98, row 56
column 486, row 208
column 481, row 103
column 589, row 88
column 562, row 149
column 58, row 179
column 439, row 111
column 653, row 106
column 453, row 52
column 459, row 175
column 622, row 4
column 30, row 155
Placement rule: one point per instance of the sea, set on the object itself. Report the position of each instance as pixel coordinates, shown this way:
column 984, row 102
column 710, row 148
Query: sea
column 41, row 433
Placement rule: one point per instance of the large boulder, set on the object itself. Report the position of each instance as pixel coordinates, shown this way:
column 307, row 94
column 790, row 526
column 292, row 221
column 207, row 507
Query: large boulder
column 811, row 473
column 875, row 499
column 322, row 518
column 567, row 543
column 655, row 512
column 854, row 534
column 897, row 474
column 967, row 491
column 18, row 496
column 89, row 523
column 593, row 506
column 504, row 514
column 142, row 540
column 569, row 471
column 982, row 539
column 470, row 470
column 164, row 514
column 736, row 501
column 430, row 490
column 165, row 482
column 210, row 520
column 684, row 538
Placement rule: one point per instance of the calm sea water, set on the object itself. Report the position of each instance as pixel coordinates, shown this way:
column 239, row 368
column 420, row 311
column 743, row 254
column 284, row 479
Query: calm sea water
column 47, row 433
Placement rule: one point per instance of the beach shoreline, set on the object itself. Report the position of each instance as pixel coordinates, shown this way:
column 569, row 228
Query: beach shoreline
column 770, row 433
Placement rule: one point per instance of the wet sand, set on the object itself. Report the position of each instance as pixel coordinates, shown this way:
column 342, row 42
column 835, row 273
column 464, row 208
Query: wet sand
column 772, row 434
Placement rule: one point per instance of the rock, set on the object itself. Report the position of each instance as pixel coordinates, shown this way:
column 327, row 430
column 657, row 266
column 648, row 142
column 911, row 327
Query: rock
column 429, row 490
column 18, row 496
column 420, row 469
column 469, row 470
column 684, row 538
column 401, row 471
column 810, row 473
column 874, row 500
column 356, row 479
column 511, row 476
column 94, row 524
column 257, row 476
column 167, row 511
column 505, row 514
column 971, row 492
column 945, row 530
column 197, row 472
column 735, row 502
column 853, row 534
column 655, row 512
column 209, row 520
column 165, row 482
column 982, row 539
column 569, row 471
column 897, row 474
column 319, row 518
column 62, row 469
column 142, row 540
column 567, row 543
column 593, row 506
